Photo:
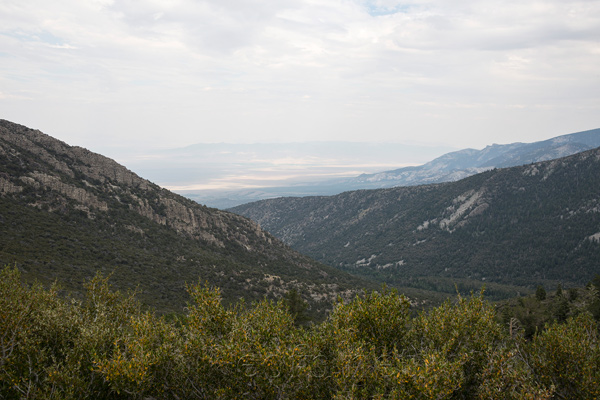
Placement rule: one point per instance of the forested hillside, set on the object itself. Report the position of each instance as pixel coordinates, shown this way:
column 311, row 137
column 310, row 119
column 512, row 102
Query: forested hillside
column 66, row 213
column 510, row 228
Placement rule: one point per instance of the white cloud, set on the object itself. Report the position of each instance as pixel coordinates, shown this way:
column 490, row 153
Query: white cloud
column 251, row 70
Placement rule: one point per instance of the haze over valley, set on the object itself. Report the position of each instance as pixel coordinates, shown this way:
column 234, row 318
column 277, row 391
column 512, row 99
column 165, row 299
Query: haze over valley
column 224, row 175
column 228, row 175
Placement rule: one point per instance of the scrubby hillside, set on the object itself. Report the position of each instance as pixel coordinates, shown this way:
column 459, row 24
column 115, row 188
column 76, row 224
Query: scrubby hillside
column 66, row 212
column 516, row 227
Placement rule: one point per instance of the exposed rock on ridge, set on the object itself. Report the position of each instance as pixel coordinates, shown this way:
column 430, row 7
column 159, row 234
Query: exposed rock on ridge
column 59, row 164
column 520, row 226
column 66, row 212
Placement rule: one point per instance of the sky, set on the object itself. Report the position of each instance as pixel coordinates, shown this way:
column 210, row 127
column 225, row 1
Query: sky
column 152, row 74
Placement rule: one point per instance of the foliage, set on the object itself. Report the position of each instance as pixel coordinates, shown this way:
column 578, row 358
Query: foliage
column 66, row 213
column 530, row 315
column 297, row 307
column 372, row 347
column 54, row 344
column 567, row 357
column 516, row 227
column 540, row 293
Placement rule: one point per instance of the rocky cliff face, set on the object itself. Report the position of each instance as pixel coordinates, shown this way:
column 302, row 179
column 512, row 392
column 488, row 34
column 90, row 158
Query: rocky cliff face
column 94, row 183
column 66, row 212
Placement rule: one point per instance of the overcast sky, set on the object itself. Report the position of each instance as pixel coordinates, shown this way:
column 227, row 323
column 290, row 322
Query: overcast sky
column 169, row 73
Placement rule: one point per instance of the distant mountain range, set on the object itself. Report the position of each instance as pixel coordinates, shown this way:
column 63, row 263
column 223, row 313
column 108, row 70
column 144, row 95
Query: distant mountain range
column 460, row 164
column 449, row 167
column 510, row 228
column 66, row 213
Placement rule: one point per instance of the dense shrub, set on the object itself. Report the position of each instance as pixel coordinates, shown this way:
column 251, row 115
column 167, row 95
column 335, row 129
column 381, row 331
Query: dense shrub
column 105, row 347
column 51, row 346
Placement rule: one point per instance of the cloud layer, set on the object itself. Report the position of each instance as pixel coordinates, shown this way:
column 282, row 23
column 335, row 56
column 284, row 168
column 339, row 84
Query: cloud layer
column 170, row 73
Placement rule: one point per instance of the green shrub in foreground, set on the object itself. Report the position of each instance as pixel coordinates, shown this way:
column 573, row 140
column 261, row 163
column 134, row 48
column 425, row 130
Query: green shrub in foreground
column 105, row 347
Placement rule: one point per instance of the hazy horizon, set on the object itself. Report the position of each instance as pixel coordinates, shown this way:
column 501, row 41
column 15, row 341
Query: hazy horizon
column 222, row 166
column 155, row 74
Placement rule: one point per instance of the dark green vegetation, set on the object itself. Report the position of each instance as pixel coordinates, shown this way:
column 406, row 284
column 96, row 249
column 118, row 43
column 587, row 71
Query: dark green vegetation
column 104, row 347
column 66, row 213
column 512, row 229
column 530, row 314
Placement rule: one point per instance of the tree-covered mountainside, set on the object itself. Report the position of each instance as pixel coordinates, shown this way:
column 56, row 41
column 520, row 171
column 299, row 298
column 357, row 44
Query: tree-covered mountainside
column 524, row 226
column 66, row 213
column 531, row 314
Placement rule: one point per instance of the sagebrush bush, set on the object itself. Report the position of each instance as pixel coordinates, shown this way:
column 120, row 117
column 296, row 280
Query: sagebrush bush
column 105, row 347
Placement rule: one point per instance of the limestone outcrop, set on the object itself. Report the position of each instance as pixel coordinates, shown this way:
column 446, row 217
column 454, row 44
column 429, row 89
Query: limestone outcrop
column 96, row 183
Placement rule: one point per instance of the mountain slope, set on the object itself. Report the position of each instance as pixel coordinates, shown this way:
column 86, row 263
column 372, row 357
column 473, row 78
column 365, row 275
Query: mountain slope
column 460, row 164
column 66, row 212
column 523, row 226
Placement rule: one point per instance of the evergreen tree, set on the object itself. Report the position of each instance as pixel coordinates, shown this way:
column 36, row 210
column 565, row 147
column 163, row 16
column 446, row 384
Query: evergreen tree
column 297, row 307
column 540, row 293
